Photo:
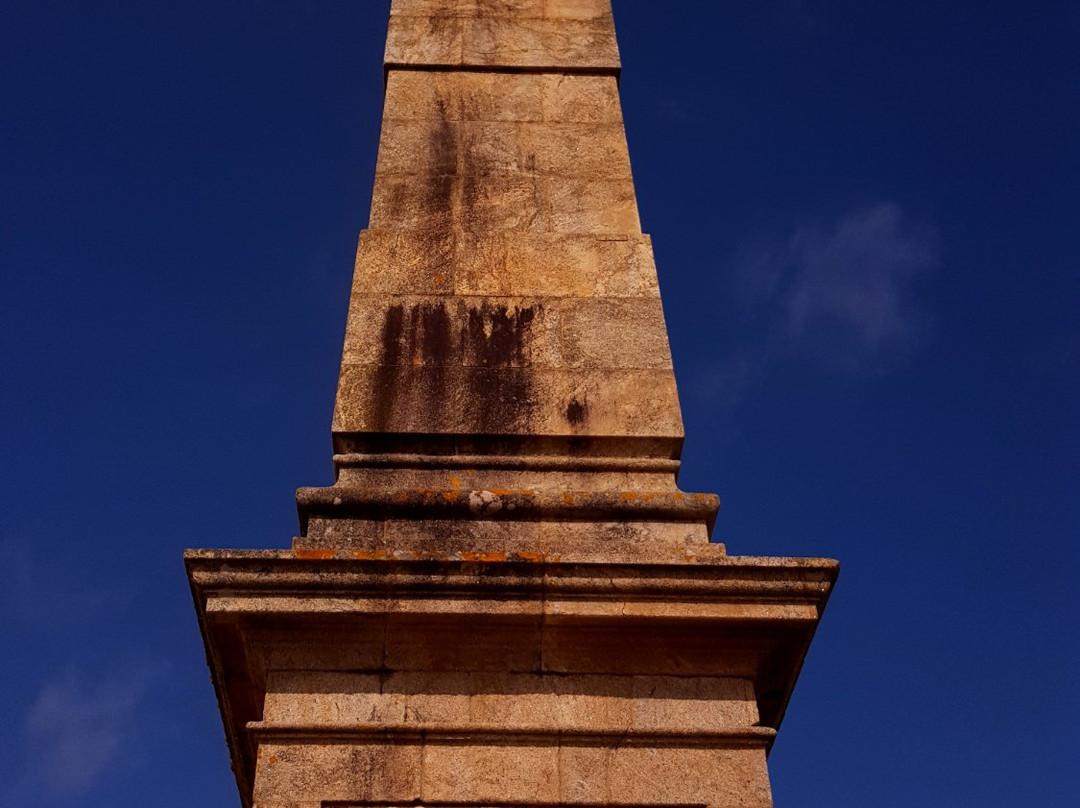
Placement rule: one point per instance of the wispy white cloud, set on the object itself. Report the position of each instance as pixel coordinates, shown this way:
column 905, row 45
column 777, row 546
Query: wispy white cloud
column 841, row 294
column 844, row 292
column 77, row 727
column 856, row 276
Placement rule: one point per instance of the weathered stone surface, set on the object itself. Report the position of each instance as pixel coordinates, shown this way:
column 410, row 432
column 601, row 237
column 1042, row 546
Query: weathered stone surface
column 454, row 399
column 462, row 675
column 513, row 39
column 504, row 598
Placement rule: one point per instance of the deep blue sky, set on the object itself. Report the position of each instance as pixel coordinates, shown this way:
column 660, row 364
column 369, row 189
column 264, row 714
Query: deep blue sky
column 867, row 222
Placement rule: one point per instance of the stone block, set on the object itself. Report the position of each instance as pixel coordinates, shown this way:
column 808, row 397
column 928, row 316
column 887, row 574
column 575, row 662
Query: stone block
column 453, row 644
column 587, row 150
column 540, row 43
column 515, row 401
column 577, row 9
column 430, row 40
column 404, row 263
column 733, row 778
column 469, row 8
column 577, row 98
column 556, row 265
column 609, row 539
column 653, row 652
column 583, row 774
column 490, row 774
column 622, row 333
column 588, row 205
column 692, row 704
column 428, row 147
column 463, row 96
column 343, row 773
column 327, row 697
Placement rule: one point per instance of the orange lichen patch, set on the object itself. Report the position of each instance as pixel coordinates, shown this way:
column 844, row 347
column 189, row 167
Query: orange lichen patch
column 451, row 496
column 568, row 499
column 273, row 758
column 369, row 555
column 482, row 555
column 317, row 555
column 455, row 482
column 440, row 278
column 628, row 496
column 535, row 558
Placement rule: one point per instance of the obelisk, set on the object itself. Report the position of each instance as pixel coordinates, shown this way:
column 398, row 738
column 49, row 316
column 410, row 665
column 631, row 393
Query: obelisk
column 504, row 598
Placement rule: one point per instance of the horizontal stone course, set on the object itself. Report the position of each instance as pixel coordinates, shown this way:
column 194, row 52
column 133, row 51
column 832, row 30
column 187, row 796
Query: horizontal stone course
column 507, row 401
column 556, row 9
column 504, row 264
column 502, row 201
column 478, row 148
column 489, row 96
column 513, row 40
column 507, row 332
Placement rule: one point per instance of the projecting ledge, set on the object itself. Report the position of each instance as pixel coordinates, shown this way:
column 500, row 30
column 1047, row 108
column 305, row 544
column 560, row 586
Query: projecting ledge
column 532, row 735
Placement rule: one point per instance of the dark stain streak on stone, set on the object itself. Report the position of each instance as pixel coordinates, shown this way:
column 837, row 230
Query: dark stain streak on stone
column 495, row 336
column 456, row 366
column 577, row 412
column 383, row 391
column 442, row 153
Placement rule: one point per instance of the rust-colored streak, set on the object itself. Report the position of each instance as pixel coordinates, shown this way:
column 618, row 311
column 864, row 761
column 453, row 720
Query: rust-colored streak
column 483, row 555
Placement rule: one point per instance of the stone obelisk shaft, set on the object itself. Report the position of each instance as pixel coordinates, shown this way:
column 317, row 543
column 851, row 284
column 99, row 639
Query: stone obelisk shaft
column 504, row 286
column 506, row 347
column 504, row 599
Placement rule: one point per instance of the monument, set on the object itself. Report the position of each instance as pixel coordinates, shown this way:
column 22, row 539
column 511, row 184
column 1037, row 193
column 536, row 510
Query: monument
column 504, row 599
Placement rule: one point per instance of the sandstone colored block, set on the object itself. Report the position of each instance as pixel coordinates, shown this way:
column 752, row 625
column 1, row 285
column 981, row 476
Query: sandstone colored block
column 463, row 96
column 583, row 774
column 580, row 98
column 516, row 401
column 735, row 778
column 507, row 332
column 556, row 265
column 450, row 203
column 434, row 40
column 330, row 697
column 587, row 205
column 540, row 43
column 458, row 331
column 399, row 263
column 469, row 8
column 477, row 149
column 622, row 333
column 692, row 704
column 577, row 9
column 557, row 9
column 588, row 150
column 490, row 774
column 623, row 536
column 348, row 772
column 490, row 41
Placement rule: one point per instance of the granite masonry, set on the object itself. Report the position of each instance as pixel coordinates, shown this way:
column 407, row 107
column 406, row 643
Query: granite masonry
column 504, row 598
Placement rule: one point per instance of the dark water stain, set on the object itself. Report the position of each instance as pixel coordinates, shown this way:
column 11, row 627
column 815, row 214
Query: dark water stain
column 577, row 412
column 496, row 336
column 382, row 392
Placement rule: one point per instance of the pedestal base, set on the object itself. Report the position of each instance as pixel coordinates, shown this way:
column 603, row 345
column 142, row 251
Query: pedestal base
column 350, row 682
